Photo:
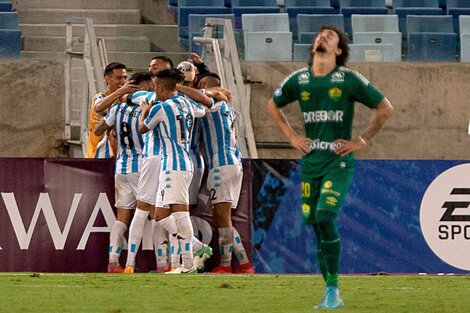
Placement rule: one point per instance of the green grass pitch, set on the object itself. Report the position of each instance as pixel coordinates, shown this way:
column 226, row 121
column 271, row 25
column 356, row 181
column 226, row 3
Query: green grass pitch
column 119, row 293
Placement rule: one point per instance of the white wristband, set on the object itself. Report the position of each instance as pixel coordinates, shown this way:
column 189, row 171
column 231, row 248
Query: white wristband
column 362, row 140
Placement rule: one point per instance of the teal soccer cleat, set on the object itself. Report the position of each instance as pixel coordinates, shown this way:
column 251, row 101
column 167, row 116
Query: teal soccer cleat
column 331, row 300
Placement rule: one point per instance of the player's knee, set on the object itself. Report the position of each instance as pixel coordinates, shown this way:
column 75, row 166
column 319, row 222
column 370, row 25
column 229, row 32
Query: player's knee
column 326, row 221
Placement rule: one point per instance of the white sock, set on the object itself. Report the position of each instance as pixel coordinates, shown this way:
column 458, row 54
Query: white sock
column 116, row 238
column 136, row 232
column 160, row 243
column 197, row 244
column 226, row 245
column 168, row 224
column 238, row 248
column 186, row 234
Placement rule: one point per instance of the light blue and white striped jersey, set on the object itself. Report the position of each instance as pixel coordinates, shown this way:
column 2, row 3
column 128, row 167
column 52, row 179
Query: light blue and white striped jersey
column 220, row 143
column 151, row 138
column 195, row 146
column 173, row 120
column 103, row 148
column 125, row 118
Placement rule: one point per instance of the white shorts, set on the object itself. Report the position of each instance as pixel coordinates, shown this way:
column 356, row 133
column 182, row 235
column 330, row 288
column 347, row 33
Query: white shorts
column 148, row 181
column 173, row 188
column 225, row 183
column 195, row 185
column 125, row 186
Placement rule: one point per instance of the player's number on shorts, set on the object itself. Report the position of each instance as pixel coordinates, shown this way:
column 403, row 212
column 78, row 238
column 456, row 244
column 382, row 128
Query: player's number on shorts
column 305, row 190
column 213, row 195
column 186, row 126
column 126, row 138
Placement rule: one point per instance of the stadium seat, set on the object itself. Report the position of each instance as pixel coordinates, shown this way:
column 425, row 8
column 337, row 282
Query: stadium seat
column 268, row 46
column 371, row 52
column 301, row 52
column 296, row 7
column 350, row 7
column 402, row 8
column 263, row 32
column 375, row 23
column 240, row 7
column 312, row 23
column 394, row 39
column 431, row 38
column 457, row 8
column 5, row 6
column 10, row 43
column 265, row 22
column 183, row 19
column 306, row 37
column 464, row 31
column 196, row 28
column 9, row 20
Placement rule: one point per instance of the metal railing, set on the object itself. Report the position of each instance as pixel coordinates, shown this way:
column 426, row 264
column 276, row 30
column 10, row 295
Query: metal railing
column 93, row 58
column 229, row 69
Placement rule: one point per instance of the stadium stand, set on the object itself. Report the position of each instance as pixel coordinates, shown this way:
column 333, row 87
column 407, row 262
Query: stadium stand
column 267, row 37
column 464, row 31
column 187, row 7
column 10, row 35
column 457, row 8
column 302, row 52
column 402, row 8
column 431, row 38
column 378, row 29
column 378, row 52
column 197, row 22
column 296, row 7
column 350, row 7
column 240, row 7
column 5, row 6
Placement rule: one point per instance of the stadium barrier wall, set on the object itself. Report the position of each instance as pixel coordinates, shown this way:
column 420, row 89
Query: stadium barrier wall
column 407, row 216
column 56, row 215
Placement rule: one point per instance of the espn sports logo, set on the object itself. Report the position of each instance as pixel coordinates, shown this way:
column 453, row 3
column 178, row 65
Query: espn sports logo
column 445, row 216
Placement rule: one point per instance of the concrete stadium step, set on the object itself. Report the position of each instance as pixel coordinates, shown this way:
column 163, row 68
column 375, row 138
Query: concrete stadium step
column 59, row 16
column 133, row 60
column 71, row 4
column 57, row 43
column 162, row 37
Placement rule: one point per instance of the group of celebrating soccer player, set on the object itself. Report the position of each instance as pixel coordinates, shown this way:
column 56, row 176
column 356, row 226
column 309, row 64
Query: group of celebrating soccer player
column 165, row 127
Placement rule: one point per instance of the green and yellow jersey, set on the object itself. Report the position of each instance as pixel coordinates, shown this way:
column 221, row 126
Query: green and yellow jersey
column 327, row 105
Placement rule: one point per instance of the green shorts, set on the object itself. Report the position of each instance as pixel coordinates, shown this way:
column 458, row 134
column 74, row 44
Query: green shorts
column 325, row 193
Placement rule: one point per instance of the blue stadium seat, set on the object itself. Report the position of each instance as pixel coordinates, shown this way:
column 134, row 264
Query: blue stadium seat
column 307, row 37
column 457, row 8
column 371, row 52
column 10, row 43
column 308, row 23
column 301, row 52
column 5, row 6
column 402, row 8
column 240, row 7
column 464, row 31
column 201, row 3
column 9, row 20
column 197, row 23
column 268, row 46
column 265, row 22
column 431, row 38
column 183, row 19
column 173, row 5
column 296, row 7
column 350, row 7
column 394, row 39
column 263, row 32
column 375, row 23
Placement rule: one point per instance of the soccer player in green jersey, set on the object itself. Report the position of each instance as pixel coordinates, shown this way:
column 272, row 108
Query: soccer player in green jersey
column 326, row 91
